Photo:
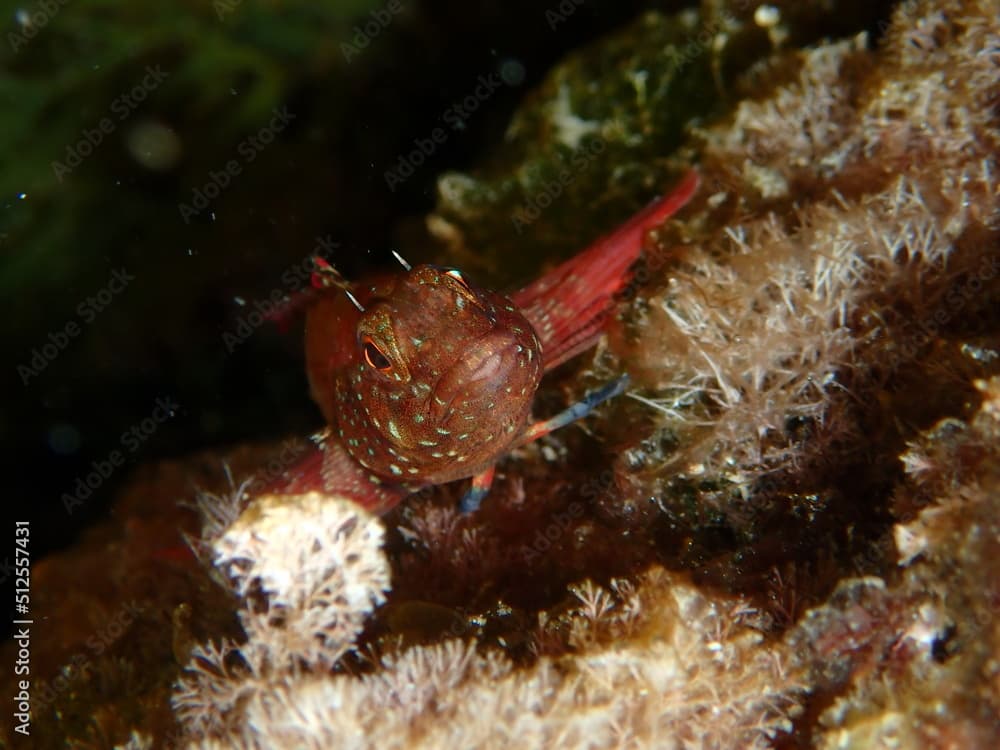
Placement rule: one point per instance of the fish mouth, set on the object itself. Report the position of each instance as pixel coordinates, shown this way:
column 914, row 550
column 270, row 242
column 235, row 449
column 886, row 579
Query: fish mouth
column 486, row 362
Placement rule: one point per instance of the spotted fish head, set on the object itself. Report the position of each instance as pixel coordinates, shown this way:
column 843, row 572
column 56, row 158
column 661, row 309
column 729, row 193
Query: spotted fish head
column 442, row 379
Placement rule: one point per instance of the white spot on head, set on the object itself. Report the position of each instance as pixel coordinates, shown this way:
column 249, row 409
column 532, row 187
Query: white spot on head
column 395, row 469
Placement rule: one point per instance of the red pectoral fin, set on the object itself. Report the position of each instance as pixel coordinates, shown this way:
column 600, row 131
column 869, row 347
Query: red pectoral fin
column 285, row 312
column 569, row 305
column 329, row 469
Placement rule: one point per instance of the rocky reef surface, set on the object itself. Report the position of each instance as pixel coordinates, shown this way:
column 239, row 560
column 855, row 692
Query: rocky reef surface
column 787, row 533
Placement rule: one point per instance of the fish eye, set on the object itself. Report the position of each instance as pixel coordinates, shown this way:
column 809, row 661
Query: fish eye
column 374, row 356
column 457, row 275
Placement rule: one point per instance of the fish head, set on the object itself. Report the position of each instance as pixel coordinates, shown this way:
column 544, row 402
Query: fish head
column 441, row 381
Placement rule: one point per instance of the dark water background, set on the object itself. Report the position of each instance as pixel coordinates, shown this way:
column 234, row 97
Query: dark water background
column 119, row 300
column 166, row 172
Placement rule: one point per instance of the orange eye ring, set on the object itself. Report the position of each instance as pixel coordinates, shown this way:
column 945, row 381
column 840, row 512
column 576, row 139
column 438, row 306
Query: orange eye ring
column 374, row 356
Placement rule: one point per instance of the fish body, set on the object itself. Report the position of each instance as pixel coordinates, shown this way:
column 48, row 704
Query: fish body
column 426, row 378
column 430, row 382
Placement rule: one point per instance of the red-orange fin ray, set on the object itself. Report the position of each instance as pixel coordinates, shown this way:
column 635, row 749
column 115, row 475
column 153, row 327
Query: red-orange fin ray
column 576, row 411
column 569, row 305
column 328, row 468
column 479, row 489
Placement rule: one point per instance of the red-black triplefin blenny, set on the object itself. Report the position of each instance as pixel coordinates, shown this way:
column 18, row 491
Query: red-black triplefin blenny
column 425, row 378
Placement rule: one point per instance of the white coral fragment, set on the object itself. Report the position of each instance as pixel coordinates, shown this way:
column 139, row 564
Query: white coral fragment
column 690, row 674
column 310, row 569
column 318, row 563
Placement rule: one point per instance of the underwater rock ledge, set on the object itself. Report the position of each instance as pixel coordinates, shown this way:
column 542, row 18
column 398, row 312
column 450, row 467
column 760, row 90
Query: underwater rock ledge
column 790, row 538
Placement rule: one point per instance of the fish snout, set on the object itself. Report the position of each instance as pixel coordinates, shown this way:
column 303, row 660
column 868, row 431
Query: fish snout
column 480, row 376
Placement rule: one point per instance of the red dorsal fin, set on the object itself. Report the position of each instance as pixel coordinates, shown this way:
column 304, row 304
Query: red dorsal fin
column 569, row 305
